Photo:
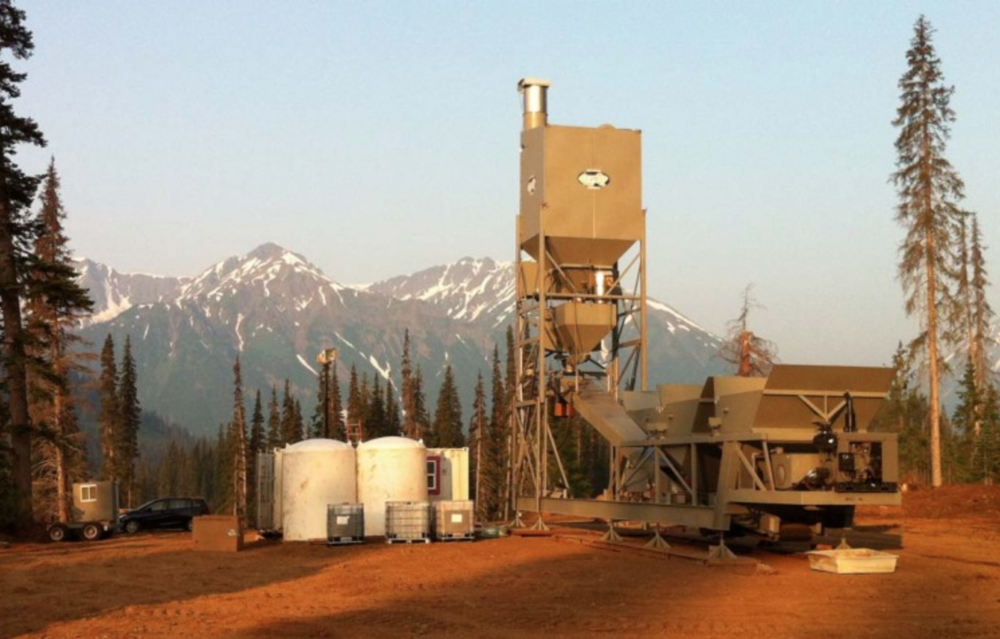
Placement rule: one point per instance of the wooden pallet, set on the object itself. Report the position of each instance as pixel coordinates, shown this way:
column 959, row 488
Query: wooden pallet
column 399, row 540
column 344, row 541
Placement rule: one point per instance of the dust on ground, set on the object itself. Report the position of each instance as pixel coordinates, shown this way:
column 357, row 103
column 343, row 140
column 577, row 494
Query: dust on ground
column 947, row 584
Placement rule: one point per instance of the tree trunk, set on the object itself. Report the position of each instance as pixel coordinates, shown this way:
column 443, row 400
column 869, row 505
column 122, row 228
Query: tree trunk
column 17, row 388
column 932, row 356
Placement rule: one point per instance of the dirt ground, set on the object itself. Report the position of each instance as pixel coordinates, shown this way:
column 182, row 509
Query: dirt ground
column 947, row 584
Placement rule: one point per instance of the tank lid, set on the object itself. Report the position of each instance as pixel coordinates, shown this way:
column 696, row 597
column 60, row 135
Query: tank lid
column 383, row 443
column 310, row 445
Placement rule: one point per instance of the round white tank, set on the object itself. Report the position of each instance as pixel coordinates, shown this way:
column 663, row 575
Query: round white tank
column 314, row 474
column 389, row 469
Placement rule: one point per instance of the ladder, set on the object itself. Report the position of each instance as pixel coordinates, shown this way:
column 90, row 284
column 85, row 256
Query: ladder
column 355, row 432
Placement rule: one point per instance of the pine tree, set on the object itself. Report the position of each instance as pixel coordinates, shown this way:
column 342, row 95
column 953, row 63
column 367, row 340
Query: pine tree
column 421, row 418
column 257, row 436
column 337, row 430
column 929, row 190
column 256, row 445
column 447, row 430
column 753, row 356
column 298, row 424
column 479, row 449
column 905, row 413
column 129, row 420
column 982, row 312
column 394, row 425
column 289, row 427
column 239, row 444
column 354, row 402
column 495, row 453
column 375, row 425
column 17, row 231
column 273, row 422
column 410, row 427
column 110, row 416
column 56, row 302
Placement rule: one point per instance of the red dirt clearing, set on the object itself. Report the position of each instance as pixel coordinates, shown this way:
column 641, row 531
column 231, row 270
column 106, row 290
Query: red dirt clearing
column 947, row 584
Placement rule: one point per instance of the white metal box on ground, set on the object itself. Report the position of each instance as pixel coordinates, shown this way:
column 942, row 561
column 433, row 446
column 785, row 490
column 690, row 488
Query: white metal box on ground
column 345, row 524
column 852, row 561
column 407, row 521
column 454, row 520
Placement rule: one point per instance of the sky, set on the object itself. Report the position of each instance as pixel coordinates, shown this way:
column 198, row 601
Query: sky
column 378, row 139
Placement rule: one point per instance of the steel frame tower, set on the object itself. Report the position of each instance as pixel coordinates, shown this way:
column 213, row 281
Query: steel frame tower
column 581, row 286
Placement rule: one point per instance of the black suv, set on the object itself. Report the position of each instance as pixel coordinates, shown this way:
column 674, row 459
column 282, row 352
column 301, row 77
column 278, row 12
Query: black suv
column 169, row 512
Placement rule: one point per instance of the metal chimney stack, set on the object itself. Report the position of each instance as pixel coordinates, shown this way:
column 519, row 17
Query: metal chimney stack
column 534, row 93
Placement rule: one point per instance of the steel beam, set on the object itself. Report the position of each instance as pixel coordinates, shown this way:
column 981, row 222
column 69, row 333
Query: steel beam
column 667, row 514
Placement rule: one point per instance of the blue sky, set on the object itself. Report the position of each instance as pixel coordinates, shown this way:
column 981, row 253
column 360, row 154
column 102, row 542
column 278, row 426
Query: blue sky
column 382, row 138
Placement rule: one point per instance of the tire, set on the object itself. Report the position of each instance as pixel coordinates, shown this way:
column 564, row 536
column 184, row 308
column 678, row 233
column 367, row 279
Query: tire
column 58, row 533
column 92, row 532
column 132, row 527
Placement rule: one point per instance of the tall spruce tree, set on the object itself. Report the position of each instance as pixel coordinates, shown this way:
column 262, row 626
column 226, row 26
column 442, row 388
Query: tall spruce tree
column 479, row 437
column 17, row 232
column 289, row 426
column 410, row 427
column 255, row 445
column 238, row 432
column 56, row 302
column 982, row 312
column 109, row 418
column 929, row 191
column 376, row 425
column 421, row 418
column 129, row 420
column 393, row 423
column 273, row 421
column 355, row 406
column 497, row 443
column 447, row 431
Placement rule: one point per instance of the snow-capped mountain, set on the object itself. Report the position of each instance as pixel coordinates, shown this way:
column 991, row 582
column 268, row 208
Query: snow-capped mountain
column 114, row 292
column 276, row 311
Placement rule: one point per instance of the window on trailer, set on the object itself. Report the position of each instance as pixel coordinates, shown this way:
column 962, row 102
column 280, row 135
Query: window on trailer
column 434, row 475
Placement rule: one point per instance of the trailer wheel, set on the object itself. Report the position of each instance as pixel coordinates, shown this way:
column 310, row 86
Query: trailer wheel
column 57, row 533
column 92, row 532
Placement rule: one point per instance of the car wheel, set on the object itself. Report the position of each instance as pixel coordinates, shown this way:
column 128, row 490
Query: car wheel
column 92, row 532
column 57, row 533
column 132, row 527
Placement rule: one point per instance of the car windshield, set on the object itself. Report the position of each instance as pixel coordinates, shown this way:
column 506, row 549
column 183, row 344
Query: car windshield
column 146, row 505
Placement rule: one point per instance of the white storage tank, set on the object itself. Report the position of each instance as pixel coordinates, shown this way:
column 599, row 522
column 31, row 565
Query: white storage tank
column 389, row 469
column 314, row 474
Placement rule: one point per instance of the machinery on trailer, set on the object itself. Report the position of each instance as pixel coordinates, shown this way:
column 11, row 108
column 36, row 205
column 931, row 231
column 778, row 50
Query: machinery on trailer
column 94, row 513
column 756, row 453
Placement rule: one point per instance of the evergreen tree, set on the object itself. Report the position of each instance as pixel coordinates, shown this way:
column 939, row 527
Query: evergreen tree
column 494, row 456
column 336, row 406
column 354, row 402
column 110, row 416
column 326, row 419
column 394, row 425
column 257, row 437
column 17, row 232
column 364, row 410
column 130, row 417
column 982, row 312
column 447, row 430
column 239, row 444
column 479, row 438
column 985, row 465
column 289, row 427
column 298, row 425
column 376, row 425
column 273, row 422
column 929, row 190
column 421, row 418
column 905, row 413
column 410, row 427
column 56, row 302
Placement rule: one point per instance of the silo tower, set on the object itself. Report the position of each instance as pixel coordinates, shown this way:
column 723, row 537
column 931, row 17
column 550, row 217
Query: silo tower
column 581, row 290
